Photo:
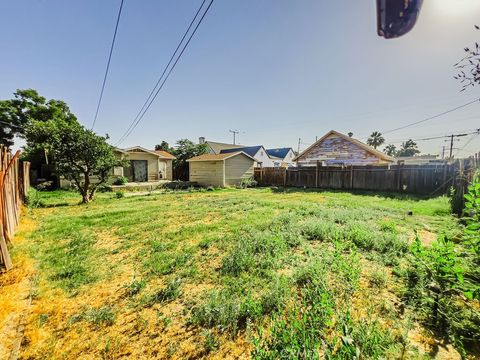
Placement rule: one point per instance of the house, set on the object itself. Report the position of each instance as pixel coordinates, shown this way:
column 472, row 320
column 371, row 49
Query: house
column 145, row 165
column 259, row 153
column 220, row 170
column 281, row 157
column 215, row 147
column 335, row 148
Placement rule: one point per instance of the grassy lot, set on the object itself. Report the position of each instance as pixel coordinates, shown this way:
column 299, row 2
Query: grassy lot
column 225, row 274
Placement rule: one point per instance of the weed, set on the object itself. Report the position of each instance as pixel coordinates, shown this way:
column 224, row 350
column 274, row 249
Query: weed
column 103, row 316
column 134, row 287
column 211, row 342
column 119, row 194
column 169, row 293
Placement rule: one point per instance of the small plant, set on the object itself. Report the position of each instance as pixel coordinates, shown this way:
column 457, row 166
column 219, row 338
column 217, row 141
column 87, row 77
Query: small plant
column 134, row 287
column 121, row 180
column 33, row 199
column 211, row 341
column 170, row 292
column 103, row 316
column 247, row 182
column 378, row 278
column 119, row 194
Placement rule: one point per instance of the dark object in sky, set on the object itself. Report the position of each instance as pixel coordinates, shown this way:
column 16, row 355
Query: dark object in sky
column 397, row 17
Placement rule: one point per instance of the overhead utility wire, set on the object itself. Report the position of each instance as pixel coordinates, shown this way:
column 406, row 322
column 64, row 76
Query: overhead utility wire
column 134, row 124
column 108, row 64
column 165, row 69
column 431, row 117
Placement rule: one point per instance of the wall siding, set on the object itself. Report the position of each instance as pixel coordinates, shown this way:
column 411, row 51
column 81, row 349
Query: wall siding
column 236, row 168
column 335, row 150
column 207, row 173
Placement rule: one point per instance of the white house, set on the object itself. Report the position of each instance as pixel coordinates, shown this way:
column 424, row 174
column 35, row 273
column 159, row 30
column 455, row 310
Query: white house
column 282, row 157
column 259, row 153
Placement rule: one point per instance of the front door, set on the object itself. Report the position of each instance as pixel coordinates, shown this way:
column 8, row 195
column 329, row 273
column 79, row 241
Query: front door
column 139, row 170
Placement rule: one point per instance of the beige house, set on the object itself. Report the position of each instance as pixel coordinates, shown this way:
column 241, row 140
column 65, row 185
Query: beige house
column 221, row 170
column 335, row 148
column 146, row 165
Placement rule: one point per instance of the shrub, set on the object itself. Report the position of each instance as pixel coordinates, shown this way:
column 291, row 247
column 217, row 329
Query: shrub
column 247, row 182
column 119, row 194
column 120, row 180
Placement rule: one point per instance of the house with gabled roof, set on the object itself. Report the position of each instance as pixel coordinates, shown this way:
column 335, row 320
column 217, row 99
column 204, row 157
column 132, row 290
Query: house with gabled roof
column 281, row 157
column 335, row 148
column 259, row 153
column 146, row 165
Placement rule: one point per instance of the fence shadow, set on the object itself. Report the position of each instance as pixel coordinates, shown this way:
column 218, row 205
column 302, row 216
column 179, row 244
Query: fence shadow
column 382, row 194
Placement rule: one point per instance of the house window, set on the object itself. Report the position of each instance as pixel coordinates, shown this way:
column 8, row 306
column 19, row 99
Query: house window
column 261, row 153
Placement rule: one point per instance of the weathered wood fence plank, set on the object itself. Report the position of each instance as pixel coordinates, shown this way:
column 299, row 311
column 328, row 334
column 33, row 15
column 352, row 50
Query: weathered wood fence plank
column 414, row 179
column 14, row 184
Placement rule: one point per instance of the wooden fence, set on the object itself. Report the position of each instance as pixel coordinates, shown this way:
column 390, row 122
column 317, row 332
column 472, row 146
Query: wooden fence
column 14, row 184
column 415, row 179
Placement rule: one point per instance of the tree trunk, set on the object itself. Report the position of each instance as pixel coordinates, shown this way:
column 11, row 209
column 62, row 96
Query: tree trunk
column 86, row 185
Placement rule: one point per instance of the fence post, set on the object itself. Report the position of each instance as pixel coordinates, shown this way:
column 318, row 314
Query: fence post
column 285, row 178
column 351, row 176
column 316, row 175
column 399, row 176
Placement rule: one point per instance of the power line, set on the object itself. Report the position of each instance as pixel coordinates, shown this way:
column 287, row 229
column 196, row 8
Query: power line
column 165, row 69
column 108, row 65
column 468, row 142
column 431, row 117
column 138, row 118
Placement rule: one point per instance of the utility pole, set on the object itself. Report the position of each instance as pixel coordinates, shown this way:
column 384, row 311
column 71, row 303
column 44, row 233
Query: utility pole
column 451, row 147
column 298, row 149
column 234, row 132
column 443, row 152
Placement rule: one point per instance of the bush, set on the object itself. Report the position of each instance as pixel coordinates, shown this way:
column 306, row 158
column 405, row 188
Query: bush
column 247, row 182
column 121, row 180
column 119, row 194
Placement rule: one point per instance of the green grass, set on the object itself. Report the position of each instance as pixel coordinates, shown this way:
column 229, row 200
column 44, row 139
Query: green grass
column 283, row 267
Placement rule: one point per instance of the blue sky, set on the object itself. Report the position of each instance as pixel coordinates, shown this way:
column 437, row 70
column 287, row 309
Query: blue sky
column 276, row 70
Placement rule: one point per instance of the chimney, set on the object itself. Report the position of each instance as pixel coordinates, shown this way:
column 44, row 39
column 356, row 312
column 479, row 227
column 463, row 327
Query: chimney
column 201, row 140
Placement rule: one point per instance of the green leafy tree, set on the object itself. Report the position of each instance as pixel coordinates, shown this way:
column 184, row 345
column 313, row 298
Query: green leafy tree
column 390, row 150
column 163, row 146
column 78, row 154
column 408, row 148
column 376, row 139
column 26, row 106
column 184, row 150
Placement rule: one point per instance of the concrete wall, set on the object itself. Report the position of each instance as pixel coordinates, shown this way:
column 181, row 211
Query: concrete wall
column 207, row 173
column 237, row 168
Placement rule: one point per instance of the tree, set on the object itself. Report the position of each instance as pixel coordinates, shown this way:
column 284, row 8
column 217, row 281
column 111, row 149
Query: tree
column 26, row 106
column 408, row 148
column 163, row 146
column 78, row 153
column 390, row 150
column 350, row 134
column 184, row 150
column 376, row 139
column 469, row 66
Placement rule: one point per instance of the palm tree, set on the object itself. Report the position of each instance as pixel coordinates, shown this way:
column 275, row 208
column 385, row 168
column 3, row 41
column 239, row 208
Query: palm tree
column 390, row 150
column 376, row 139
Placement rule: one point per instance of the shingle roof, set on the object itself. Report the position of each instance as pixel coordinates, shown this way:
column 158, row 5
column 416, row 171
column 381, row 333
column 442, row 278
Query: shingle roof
column 165, row 154
column 250, row 150
column 279, row 152
column 217, row 146
column 218, row 157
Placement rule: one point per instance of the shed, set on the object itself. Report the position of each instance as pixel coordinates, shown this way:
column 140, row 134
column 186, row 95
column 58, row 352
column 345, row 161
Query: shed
column 221, row 169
